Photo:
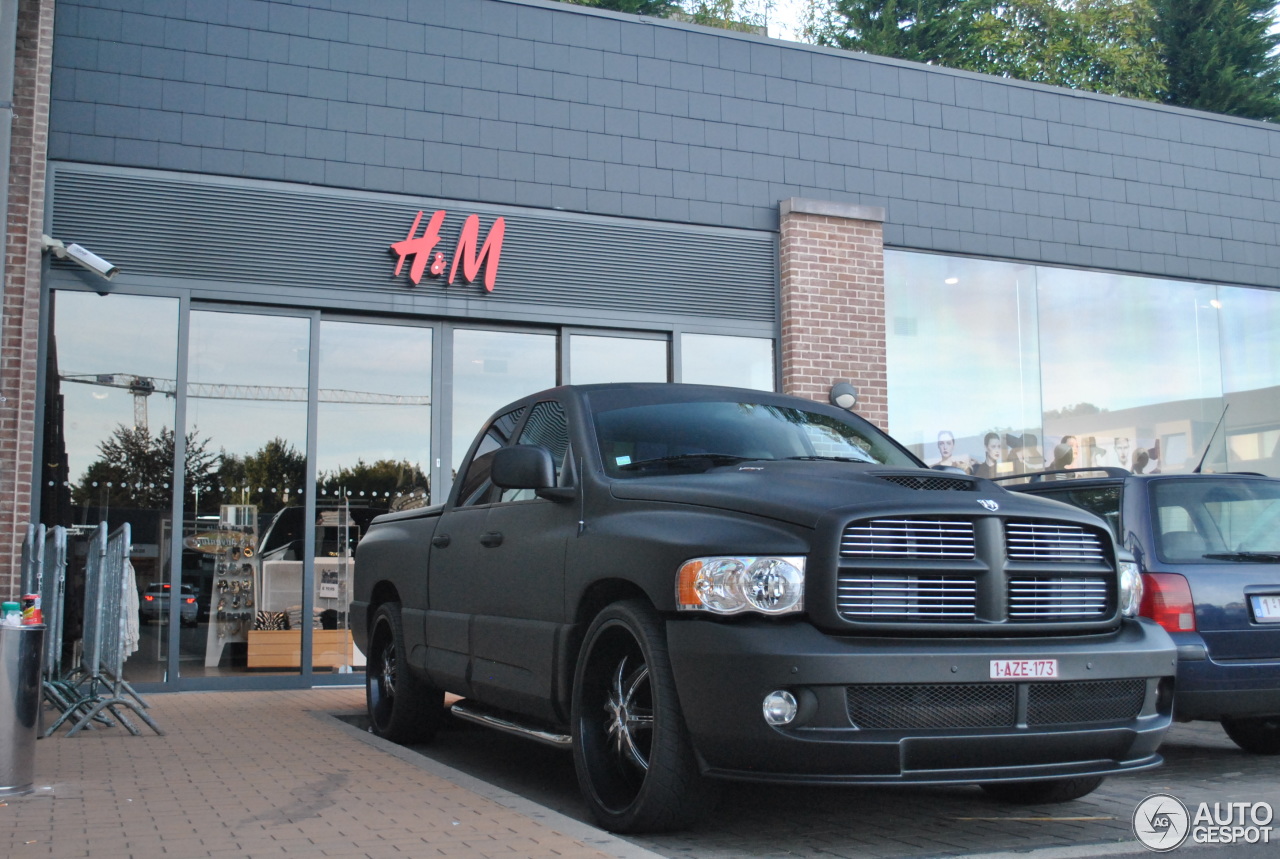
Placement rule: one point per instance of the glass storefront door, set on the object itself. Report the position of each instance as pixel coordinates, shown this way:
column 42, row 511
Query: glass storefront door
column 246, row 419
column 108, row 447
column 250, row 449
column 594, row 358
column 490, row 369
column 373, row 454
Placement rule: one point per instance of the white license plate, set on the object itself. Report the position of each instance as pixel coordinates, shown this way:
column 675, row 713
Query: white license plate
column 1014, row 669
column 1266, row 609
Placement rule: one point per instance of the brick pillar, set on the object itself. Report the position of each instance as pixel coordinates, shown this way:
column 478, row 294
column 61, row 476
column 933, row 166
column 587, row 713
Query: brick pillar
column 833, row 327
column 22, row 264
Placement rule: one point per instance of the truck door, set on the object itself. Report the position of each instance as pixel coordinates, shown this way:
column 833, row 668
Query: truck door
column 455, row 553
column 508, row 576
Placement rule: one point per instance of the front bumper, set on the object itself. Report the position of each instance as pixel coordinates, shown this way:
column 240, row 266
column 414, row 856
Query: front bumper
column 946, row 720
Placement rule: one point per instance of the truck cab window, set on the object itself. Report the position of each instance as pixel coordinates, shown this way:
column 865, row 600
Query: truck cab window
column 547, row 428
column 475, row 487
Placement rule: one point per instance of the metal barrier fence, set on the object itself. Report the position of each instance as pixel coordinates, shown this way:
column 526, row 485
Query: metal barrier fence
column 96, row 687
column 44, row 572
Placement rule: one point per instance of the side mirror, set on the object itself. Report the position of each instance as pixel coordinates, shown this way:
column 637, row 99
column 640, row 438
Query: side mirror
column 524, row 466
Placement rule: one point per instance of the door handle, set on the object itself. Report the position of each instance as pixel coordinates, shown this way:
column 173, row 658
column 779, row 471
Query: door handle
column 491, row 539
column 440, row 541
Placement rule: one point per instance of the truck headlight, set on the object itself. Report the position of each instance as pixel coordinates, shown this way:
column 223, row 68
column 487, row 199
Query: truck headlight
column 1130, row 588
column 728, row 585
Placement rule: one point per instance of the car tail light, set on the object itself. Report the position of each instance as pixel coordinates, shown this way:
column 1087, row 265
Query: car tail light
column 148, row 597
column 1166, row 599
column 189, row 600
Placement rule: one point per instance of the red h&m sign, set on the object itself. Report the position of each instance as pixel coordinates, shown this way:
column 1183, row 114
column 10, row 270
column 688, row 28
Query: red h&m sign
column 422, row 248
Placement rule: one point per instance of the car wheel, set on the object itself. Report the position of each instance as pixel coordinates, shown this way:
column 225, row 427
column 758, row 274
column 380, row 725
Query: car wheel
column 402, row 708
column 1040, row 792
column 1259, row 735
column 631, row 750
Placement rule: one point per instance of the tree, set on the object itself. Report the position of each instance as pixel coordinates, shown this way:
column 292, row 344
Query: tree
column 1105, row 46
column 725, row 14
column 271, row 478
column 1220, row 55
column 392, row 480
column 136, row 470
column 1099, row 45
column 927, row 31
column 653, row 8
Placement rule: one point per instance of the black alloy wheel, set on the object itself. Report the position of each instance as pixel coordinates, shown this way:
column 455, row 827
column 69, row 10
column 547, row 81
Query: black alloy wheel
column 401, row 707
column 1259, row 735
column 635, row 764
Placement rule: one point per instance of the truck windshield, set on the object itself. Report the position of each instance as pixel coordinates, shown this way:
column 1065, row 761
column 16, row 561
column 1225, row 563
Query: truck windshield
column 1218, row 518
column 637, row 441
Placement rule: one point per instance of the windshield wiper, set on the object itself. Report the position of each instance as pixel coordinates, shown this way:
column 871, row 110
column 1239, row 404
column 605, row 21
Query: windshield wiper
column 1256, row 557
column 713, row 458
column 834, row 459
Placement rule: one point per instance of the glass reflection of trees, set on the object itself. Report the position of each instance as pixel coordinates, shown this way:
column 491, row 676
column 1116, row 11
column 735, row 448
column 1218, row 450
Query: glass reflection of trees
column 399, row 484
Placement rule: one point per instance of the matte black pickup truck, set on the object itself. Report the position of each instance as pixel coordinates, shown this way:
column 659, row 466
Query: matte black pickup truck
column 686, row 583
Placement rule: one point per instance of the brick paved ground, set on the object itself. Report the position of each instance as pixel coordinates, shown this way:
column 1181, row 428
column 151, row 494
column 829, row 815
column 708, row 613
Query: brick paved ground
column 260, row 774
column 252, row 774
column 1202, row 765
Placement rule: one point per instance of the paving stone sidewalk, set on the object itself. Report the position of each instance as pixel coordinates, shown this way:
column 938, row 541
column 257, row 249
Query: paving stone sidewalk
column 270, row 774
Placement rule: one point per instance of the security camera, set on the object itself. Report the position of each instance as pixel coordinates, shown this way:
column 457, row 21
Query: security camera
column 92, row 261
column 81, row 255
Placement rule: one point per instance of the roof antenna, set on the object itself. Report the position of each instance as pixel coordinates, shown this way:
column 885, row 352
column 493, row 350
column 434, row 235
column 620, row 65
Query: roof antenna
column 1212, row 436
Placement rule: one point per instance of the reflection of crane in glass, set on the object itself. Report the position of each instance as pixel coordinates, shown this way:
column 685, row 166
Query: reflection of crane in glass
column 143, row 387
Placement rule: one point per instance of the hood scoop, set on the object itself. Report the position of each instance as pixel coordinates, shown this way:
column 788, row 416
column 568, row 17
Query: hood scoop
column 931, row 482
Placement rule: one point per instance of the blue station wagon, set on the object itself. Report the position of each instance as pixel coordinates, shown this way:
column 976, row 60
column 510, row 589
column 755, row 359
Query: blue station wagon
column 1208, row 546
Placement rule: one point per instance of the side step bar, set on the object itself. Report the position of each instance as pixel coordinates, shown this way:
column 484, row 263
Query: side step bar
column 491, row 719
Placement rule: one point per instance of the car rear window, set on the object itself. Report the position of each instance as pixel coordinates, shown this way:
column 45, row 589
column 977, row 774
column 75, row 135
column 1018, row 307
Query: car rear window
column 1217, row 518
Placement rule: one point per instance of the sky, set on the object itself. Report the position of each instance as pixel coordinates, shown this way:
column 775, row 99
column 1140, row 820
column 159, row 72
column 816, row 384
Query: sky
column 785, row 19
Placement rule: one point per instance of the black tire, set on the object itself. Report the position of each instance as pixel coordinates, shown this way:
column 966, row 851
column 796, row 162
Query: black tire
column 1259, row 735
column 635, row 763
column 1042, row 792
column 401, row 707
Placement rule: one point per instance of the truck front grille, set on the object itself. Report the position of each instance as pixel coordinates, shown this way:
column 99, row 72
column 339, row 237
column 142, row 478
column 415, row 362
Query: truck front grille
column 947, row 706
column 974, row 572
column 1043, row 598
column 1052, row 541
column 915, row 539
column 902, row 597
column 1078, row 703
column 942, row 705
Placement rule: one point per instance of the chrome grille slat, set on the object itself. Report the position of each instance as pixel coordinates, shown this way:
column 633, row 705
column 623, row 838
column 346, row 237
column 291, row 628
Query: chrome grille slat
column 899, row 597
column 1044, row 597
column 933, row 591
column 909, row 538
column 1053, row 542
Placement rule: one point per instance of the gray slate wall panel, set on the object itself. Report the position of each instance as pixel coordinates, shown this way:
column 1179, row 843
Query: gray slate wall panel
column 469, row 98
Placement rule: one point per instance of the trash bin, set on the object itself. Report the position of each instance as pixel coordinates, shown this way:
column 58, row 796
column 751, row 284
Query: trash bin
column 21, row 652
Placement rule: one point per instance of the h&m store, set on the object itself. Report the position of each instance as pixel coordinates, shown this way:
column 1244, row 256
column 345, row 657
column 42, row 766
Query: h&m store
column 344, row 240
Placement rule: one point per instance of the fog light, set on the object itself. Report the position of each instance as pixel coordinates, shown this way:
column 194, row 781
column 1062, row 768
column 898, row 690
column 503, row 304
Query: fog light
column 780, row 707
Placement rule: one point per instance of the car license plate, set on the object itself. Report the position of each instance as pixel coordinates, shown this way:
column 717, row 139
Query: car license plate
column 1014, row 669
column 1266, row 609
